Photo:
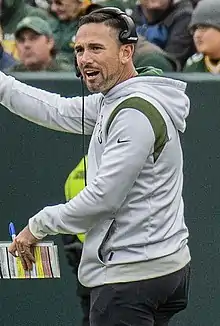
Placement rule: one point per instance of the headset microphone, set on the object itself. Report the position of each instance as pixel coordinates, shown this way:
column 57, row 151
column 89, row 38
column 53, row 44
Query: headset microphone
column 77, row 71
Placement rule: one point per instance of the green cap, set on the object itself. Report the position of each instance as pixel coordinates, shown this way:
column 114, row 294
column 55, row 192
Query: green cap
column 36, row 24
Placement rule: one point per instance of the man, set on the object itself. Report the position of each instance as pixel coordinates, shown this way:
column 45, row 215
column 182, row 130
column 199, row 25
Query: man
column 205, row 27
column 35, row 46
column 12, row 12
column 67, row 14
column 135, row 255
column 165, row 23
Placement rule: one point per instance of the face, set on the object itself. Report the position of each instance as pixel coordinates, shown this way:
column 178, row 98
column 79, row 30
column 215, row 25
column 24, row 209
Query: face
column 34, row 50
column 66, row 9
column 100, row 57
column 207, row 41
column 155, row 4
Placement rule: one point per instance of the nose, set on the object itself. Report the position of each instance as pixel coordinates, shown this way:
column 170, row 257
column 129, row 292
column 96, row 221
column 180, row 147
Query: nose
column 198, row 32
column 53, row 7
column 85, row 58
column 27, row 43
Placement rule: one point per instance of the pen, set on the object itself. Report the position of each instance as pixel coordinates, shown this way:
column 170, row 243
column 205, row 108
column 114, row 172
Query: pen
column 12, row 233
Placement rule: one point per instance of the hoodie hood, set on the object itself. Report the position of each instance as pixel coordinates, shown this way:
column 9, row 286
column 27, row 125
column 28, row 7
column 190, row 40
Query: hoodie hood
column 168, row 93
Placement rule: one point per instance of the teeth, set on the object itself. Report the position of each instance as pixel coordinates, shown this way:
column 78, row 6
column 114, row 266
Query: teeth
column 91, row 73
column 90, row 70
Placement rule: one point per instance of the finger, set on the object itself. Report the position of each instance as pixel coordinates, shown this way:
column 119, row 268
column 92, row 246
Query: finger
column 12, row 249
column 30, row 254
column 21, row 254
column 20, row 248
column 27, row 256
column 28, row 263
column 23, row 260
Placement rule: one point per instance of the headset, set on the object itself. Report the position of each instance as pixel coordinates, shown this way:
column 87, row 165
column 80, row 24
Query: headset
column 127, row 35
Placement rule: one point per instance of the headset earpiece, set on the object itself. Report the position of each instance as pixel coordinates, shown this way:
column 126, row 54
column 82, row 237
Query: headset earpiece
column 128, row 33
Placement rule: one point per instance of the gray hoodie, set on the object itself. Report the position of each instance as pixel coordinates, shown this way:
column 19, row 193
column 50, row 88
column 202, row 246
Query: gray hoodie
column 132, row 208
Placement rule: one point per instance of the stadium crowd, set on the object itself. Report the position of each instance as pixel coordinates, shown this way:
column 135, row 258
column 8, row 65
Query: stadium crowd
column 175, row 35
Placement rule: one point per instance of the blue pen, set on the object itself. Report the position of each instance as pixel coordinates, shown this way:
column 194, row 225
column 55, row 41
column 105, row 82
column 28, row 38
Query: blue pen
column 12, row 233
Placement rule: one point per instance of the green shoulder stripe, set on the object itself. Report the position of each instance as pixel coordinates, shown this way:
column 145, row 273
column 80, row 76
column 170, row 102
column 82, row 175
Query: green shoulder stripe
column 157, row 122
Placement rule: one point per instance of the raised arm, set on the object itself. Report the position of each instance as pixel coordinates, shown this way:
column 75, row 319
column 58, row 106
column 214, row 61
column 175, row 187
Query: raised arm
column 48, row 109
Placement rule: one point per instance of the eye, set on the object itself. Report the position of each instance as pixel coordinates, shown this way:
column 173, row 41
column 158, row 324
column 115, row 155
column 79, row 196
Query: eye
column 34, row 37
column 78, row 50
column 96, row 48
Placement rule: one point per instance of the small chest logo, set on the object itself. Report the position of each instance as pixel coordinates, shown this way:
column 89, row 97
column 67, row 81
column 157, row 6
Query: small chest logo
column 99, row 127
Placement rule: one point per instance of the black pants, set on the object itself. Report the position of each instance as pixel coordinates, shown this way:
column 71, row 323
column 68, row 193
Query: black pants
column 144, row 303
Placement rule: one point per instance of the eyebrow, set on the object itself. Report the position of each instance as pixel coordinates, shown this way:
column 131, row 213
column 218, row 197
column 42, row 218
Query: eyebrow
column 90, row 45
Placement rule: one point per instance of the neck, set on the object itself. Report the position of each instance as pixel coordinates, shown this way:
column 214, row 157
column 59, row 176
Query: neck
column 40, row 65
column 214, row 57
column 76, row 13
column 125, row 75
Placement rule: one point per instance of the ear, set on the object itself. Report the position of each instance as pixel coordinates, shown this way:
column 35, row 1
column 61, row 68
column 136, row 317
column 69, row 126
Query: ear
column 51, row 43
column 127, row 51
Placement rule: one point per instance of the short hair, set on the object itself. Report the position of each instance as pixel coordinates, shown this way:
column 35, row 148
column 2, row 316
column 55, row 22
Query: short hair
column 97, row 18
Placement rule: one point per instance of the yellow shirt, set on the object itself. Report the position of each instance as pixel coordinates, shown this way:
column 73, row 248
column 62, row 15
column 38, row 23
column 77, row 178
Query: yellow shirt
column 74, row 184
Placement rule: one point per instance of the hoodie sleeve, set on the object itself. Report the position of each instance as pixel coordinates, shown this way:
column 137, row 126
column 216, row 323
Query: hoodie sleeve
column 126, row 151
column 48, row 109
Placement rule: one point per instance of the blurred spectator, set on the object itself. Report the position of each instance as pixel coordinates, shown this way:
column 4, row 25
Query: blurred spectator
column 35, row 45
column 148, row 54
column 67, row 14
column 205, row 27
column 6, row 60
column 165, row 23
column 113, row 3
column 12, row 12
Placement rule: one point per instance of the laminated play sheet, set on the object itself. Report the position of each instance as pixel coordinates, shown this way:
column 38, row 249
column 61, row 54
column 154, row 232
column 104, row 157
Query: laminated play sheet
column 46, row 262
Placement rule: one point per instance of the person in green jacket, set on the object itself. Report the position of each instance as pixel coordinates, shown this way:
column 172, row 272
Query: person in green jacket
column 73, row 243
column 149, row 54
column 36, row 47
column 67, row 14
column 205, row 27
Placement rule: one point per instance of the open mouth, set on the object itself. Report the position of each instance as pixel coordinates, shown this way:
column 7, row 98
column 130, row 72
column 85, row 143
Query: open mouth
column 91, row 74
